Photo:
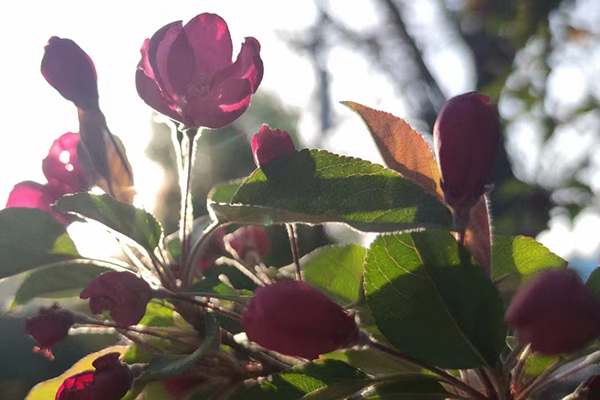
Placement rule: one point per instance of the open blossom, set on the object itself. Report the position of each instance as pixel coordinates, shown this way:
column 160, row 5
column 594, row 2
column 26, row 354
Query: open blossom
column 124, row 294
column 110, row 380
column 187, row 73
column 49, row 327
column 71, row 71
column 296, row 319
column 556, row 313
column 465, row 136
column 269, row 144
column 62, row 166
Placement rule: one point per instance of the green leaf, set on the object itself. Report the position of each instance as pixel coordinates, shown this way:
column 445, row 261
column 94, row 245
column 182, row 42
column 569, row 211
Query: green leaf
column 31, row 238
column 315, row 186
column 60, row 280
column 593, row 281
column 157, row 315
column 136, row 224
column 224, row 192
column 336, row 270
column 166, row 365
column 521, row 257
column 429, row 305
column 409, row 389
column 537, row 363
column 372, row 361
column 322, row 380
column 47, row 390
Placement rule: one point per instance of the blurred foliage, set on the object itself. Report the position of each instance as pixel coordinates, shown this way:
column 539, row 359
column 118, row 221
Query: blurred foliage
column 514, row 47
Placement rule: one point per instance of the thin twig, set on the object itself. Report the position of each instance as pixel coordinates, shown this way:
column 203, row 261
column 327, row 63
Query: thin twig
column 192, row 300
column 520, row 367
column 189, row 268
column 243, row 268
column 294, row 245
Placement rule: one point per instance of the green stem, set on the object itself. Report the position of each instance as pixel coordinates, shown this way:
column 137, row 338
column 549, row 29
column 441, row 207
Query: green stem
column 188, row 149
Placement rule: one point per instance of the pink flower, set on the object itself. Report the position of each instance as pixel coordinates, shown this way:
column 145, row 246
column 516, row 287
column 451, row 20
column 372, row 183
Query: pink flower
column 110, row 380
column 48, row 327
column 62, row 167
column 298, row 320
column 186, row 72
column 122, row 293
column 465, row 136
column 31, row 194
column 68, row 69
column 556, row 313
column 268, row 144
column 250, row 239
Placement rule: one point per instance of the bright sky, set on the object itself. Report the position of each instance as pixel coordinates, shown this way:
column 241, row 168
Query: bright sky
column 33, row 114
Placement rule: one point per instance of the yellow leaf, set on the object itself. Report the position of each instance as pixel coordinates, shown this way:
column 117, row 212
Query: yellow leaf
column 403, row 149
column 47, row 390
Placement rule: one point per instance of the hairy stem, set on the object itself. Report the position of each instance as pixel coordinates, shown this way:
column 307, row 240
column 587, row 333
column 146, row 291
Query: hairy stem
column 188, row 148
column 291, row 229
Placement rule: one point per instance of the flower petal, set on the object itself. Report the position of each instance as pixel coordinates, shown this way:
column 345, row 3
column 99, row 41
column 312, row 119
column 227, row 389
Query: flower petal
column 159, row 48
column 248, row 65
column 222, row 105
column 209, row 37
column 152, row 95
column 180, row 66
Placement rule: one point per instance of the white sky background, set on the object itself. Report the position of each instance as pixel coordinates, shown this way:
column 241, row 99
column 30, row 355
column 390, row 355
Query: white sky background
column 33, row 114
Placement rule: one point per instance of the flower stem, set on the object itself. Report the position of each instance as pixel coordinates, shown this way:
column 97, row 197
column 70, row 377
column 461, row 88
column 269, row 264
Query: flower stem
column 449, row 379
column 190, row 299
column 189, row 266
column 294, row 245
column 188, row 148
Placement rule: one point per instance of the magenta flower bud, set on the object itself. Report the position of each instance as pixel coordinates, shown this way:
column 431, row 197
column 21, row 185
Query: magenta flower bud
column 29, row 194
column 110, row 380
column 298, row 320
column 250, row 239
column 465, row 137
column 124, row 294
column 48, row 327
column 268, row 145
column 62, row 167
column 186, row 72
column 556, row 313
column 68, row 69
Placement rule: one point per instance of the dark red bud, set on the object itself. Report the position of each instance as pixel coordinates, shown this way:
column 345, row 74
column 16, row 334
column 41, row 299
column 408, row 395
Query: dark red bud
column 110, row 380
column 465, row 136
column 267, row 145
column 48, row 327
column 556, row 313
column 124, row 294
column 62, row 167
column 296, row 319
column 70, row 71
column 248, row 239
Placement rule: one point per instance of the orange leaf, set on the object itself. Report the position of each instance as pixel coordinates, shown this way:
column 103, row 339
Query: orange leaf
column 403, row 149
column 104, row 154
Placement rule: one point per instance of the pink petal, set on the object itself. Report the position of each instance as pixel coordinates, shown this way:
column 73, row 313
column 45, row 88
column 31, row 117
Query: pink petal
column 209, row 37
column 180, row 66
column 151, row 94
column 159, row 48
column 222, row 105
column 248, row 65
